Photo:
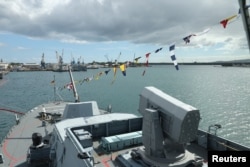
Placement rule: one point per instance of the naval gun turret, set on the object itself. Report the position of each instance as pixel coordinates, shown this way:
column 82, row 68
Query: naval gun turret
column 168, row 125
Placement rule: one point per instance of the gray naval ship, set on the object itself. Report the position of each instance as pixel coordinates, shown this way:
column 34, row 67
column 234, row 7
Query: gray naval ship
column 61, row 134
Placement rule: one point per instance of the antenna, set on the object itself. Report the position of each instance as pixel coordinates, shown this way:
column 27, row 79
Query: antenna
column 77, row 99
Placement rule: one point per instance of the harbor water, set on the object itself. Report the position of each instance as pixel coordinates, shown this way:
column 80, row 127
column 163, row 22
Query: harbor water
column 222, row 94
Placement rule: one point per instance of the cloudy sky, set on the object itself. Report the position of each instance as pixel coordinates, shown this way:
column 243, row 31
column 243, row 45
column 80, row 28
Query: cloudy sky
column 99, row 30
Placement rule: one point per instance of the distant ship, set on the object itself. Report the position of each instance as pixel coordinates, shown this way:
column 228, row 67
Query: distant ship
column 61, row 67
column 63, row 134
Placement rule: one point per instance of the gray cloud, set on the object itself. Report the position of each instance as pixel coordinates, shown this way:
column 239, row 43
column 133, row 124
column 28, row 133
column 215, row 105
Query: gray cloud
column 138, row 21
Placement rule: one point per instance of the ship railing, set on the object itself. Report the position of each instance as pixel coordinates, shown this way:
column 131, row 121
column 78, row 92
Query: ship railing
column 213, row 142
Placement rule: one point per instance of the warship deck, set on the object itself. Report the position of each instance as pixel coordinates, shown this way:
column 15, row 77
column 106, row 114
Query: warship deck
column 14, row 147
column 108, row 159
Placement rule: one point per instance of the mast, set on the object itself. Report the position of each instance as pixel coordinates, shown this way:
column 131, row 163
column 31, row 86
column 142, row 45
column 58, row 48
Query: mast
column 77, row 99
column 54, row 81
column 245, row 19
